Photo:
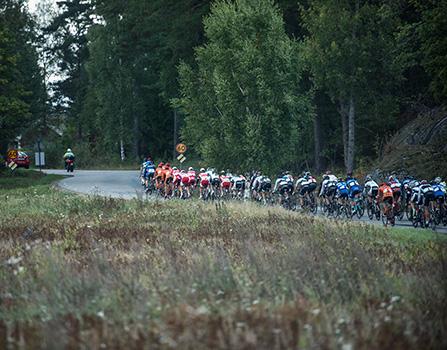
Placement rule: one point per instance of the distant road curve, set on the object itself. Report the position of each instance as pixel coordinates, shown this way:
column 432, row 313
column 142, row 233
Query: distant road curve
column 109, row 183
column 125, row 184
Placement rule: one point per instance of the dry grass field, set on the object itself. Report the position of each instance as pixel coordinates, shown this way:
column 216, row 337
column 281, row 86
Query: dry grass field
column 93, row 273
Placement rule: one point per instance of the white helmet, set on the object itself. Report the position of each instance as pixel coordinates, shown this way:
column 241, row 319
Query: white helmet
column 68, row 150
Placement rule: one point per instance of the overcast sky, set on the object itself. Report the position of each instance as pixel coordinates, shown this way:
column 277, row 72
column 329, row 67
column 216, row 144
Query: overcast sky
column 33, row 4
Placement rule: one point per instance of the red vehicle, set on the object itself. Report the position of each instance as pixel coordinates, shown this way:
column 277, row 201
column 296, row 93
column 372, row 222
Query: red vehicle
column 22, row 160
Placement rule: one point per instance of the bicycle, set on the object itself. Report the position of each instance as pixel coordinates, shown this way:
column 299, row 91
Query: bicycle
column 358, row 207
column 389, row 217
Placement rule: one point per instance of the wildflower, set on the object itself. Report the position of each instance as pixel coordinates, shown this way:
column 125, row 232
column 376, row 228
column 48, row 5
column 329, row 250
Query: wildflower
column 395, row 298
column 315, row 312
column 13, row 260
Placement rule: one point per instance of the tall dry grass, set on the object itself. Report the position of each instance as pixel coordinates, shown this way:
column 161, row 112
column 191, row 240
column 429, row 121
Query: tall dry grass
column 104, row 273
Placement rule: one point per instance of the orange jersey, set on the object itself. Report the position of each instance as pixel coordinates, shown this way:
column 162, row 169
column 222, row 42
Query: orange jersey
column 385, row 191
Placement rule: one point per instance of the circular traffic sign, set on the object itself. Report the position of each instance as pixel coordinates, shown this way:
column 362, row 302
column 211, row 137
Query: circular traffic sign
column 12, row 154
column 181, row 148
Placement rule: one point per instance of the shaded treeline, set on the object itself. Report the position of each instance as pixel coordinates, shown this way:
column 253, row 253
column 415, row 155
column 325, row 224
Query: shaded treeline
column 245, row 83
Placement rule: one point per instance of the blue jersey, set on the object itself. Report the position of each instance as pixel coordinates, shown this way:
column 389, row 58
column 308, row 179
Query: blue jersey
column 353, row 186
column 439, row 190
column 342, row 189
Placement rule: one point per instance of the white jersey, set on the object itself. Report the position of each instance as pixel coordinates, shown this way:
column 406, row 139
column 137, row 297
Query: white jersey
column 329, row 182
column 370, row 187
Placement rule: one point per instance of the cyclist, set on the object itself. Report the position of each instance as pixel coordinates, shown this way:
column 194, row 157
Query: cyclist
column 262, row 184
column 148, row 172
column 192, row 176
column 439, row 190
column 204, row 182
column 185, row 184
column 225, row 183
column 328, row 187
column 305, row 185
column 238, row 188
column 353, row 186
column 385, row 198
column 396, row 186
column 371, row 189
column 422, row 195
column 342, row 192
column 253, row 178
column 168, row 179
column 159, row 176
column 284, row 186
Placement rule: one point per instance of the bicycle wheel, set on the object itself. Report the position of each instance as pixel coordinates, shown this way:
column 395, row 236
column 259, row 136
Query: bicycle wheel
column 370, row 211
column 360, row 209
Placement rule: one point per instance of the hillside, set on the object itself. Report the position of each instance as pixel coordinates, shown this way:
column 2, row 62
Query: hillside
column 419, row 148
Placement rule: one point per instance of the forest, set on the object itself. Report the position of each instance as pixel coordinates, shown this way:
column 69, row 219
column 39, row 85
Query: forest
column 245, row 84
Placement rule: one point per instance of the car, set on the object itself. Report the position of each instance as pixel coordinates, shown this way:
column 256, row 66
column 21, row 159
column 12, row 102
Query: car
column 22, row 160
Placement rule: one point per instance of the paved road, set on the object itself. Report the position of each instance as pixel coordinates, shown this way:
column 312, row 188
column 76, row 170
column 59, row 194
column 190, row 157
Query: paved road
column 125, row 184
column 111, row 183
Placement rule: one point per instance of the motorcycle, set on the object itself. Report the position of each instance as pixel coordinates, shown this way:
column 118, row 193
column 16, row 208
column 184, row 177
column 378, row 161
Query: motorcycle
column 69, row 165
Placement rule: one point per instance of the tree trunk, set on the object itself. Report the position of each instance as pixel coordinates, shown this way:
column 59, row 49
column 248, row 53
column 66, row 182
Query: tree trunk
column 351, row 135
column 317, row 142
column 344, row 126
column 136, row 131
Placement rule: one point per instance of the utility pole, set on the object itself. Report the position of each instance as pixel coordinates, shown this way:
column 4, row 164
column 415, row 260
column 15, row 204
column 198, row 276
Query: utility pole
column 175, row 134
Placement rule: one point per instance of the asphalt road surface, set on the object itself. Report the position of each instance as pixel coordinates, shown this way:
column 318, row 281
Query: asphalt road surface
column 109, row 183
column 125, row 184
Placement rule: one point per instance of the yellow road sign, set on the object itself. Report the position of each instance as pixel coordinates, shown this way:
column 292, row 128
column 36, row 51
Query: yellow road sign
column 181, row 148
column 12, row 154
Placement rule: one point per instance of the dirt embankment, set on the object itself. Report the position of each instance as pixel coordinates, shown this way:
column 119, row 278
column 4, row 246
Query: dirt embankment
column 419, row 148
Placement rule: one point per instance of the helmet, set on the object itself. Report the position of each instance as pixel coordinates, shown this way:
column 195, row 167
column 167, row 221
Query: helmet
column 202, row 170
column 391, row 178
column 174, row 168
column 340, row 179
column 349, row 174
column 183, row 171
column 168, row 165
column 423, row 182
column 190, row 168
column 326, row 177
column 161, row 164
column 328, row 172
column 68, row 150
column 222, row 172
column 438, row 180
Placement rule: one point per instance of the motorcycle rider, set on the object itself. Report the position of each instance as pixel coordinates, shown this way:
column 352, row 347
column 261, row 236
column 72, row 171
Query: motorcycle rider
column 69, row 155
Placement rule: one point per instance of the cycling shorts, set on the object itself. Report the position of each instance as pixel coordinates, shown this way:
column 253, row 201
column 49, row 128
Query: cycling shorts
column 355, row 190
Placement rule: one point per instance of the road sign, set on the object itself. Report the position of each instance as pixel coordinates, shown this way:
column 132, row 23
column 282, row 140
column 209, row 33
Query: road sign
column 12, row 165
column 181, row 148
column 181, row 158
column 12, row 154
column 40, row 158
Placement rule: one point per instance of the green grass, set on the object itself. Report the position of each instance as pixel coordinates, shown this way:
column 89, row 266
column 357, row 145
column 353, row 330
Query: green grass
column 175, row 274
column 21, row 179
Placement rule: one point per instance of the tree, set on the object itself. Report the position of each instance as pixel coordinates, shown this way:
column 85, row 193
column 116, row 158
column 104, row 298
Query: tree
column 243, row 102
column 22, row 93
column 351, row 50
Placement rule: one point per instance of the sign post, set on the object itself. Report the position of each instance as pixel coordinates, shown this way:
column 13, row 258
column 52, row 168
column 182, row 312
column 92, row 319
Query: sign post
column 181, row 148
column 40, row 155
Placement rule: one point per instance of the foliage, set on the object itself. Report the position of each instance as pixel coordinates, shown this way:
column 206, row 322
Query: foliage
column 243, row 101
column 134, row 274
column 22, row 93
